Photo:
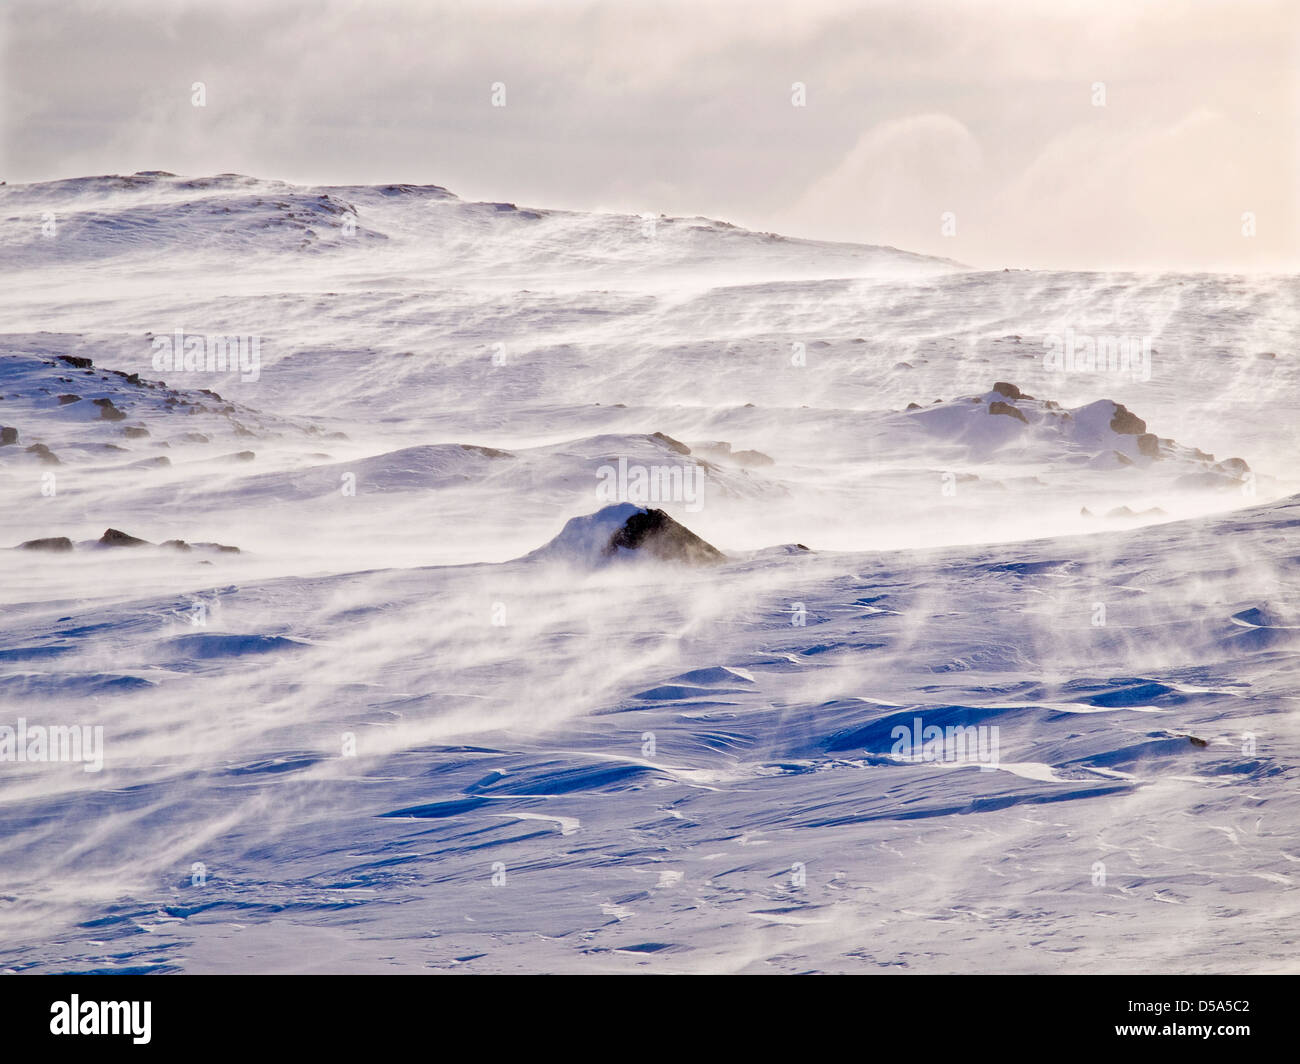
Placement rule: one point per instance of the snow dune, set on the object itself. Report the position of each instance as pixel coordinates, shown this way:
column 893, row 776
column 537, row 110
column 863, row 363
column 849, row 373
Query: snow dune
column 450, row 705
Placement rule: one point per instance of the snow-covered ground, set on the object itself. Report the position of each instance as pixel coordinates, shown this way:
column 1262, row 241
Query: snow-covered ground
column 422, row 718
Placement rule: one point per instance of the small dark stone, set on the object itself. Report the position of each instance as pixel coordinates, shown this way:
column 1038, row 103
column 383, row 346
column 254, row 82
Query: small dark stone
column 64, row 400
column 1196, row 741
column 1126, row 423
column 44, row 454
column 76, row 361
column 107, row 411
column 1008, row 410
column 673, row 445
column 54, row 543
column 913, row 406
column 112, row 537
column 1009, row 390
column 8, row 435
column 752, row 459
column 1149, row 445
column 134, row 432
column 486, row 452
column 1233, row 466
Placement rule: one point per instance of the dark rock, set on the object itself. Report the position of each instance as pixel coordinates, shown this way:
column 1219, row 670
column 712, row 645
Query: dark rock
column 54, row 543
column 673, row 445
column 486, row 452
column 134, row 432
column 1195, row 741
column 654, row 533
column 195, row 437
column 176, row 544
column 107, row 411
column 1149, row 445
column 114, row 538
column 64, row 400
column 1008, row 390
column 44, row 454
column 1126, row 423
column 914, row 406
column 76, row 361
column 221, row 547
column 752, row 459
column 1008, row 410
column 8, row 435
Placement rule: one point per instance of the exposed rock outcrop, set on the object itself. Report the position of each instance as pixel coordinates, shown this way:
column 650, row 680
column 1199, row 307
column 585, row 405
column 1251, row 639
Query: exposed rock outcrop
column 654, row 533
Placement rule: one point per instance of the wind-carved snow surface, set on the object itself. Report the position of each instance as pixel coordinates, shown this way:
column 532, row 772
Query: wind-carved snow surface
column 987, row 661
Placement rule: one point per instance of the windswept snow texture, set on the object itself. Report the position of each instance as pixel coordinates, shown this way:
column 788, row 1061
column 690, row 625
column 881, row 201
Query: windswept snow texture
column 395, row 731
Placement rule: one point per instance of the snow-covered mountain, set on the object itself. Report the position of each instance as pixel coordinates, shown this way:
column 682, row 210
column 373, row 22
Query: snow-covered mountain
column 468, row 585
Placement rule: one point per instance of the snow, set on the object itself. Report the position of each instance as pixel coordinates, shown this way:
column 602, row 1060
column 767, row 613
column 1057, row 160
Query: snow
column 391, row 734
column 586, row 540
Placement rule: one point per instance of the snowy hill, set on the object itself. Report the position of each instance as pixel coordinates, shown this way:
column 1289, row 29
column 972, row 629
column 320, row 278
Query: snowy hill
column 984, row 656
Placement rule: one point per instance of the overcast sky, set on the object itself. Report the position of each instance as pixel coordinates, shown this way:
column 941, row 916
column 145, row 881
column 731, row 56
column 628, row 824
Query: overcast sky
column 914, row 108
